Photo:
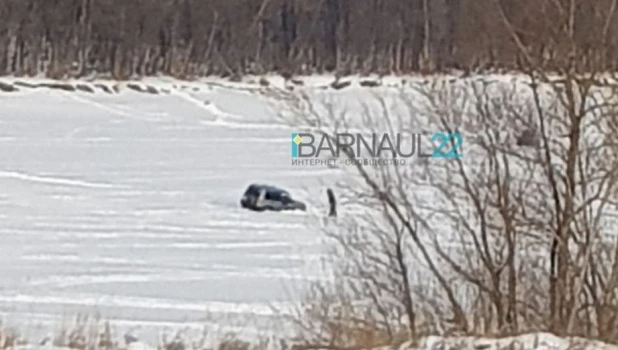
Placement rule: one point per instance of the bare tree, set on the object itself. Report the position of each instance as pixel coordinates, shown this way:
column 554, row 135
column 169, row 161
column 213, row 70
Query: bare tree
column 187, row 38
column 514, row 236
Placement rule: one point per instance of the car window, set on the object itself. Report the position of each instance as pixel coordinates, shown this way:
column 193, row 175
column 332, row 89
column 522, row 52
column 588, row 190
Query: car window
column 275, row 195
column 253, row 191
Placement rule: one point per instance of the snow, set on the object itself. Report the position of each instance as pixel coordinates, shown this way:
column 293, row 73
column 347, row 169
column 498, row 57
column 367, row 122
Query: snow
column 127, row 205
column 531, row 341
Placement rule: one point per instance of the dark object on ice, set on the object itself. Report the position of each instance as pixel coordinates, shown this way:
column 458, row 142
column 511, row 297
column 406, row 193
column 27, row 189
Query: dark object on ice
column 7, row 87
column 264, row 197
column 369, row 83
column 146, row 89
column 45, row 341
column 26, row 85
column 176, row 344
column 84, row 88
column 338, row 85
column 130, row 338
column 104, row 88
column 58, row 86
column 527, row 138
column 332, row 202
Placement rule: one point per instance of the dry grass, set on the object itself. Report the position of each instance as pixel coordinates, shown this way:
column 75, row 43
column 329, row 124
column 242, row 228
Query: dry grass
column 93, row 333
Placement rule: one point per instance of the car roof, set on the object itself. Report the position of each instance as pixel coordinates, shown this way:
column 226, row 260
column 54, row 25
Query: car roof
column 269, row 188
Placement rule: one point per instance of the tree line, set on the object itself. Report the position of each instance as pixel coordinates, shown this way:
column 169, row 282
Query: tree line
column 187, row 38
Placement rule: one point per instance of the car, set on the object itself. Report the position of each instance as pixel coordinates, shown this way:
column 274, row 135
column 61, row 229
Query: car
column 259, row 197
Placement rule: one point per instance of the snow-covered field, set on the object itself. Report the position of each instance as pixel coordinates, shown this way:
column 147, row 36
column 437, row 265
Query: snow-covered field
column 128, row 205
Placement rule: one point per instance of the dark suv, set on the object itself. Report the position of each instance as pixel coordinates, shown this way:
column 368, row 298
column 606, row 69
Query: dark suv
column 264, row 197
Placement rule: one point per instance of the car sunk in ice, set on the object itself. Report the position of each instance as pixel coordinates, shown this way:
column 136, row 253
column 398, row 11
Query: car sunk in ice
column 260, row 197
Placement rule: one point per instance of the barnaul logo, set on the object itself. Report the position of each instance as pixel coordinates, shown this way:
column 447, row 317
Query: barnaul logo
column 397, row 147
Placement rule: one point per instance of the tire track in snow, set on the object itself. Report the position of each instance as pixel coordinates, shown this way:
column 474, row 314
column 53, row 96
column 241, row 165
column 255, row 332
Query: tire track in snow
column 116, row 111
column 225, row 119
column 146, row 303
column 234, row 125
column 54, row 180
column 209, row 107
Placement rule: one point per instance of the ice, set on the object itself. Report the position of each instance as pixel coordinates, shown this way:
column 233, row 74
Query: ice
column 127, row 205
